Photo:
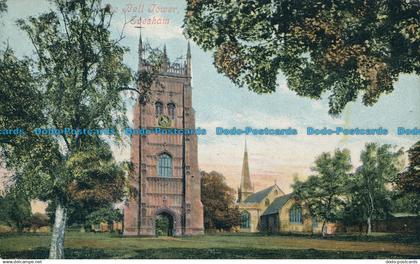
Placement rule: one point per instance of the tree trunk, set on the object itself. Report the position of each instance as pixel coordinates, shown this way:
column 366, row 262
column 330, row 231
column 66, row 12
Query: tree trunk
column 369, row 225
column 369, row 218
column 324, row 229
column 57, row 239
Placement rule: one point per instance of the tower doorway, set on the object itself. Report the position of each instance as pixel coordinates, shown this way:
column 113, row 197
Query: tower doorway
column 164, row 224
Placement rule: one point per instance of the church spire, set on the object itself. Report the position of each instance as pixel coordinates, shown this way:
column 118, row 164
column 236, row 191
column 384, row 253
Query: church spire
column 246, row 187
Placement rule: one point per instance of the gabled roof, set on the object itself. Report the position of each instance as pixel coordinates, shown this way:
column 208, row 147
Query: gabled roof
column 277, row 204
column 259, row 196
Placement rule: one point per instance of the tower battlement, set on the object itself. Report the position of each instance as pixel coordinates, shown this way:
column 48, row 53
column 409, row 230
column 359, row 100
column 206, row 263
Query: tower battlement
column 182, row 69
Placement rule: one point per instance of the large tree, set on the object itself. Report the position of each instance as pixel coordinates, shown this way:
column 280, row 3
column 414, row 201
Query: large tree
column 370, row 185
column 408, row 181
column 341, row 47
column 324, row 192
column 100, row 182
column 75, row 80
column 220, row 211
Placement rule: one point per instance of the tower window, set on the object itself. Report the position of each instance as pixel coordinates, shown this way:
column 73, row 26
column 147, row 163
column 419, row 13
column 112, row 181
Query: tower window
column 158, row 108
column 267, row 202
column 165, row 165
column 245, row 218
column 171, row 110
column 296, row 214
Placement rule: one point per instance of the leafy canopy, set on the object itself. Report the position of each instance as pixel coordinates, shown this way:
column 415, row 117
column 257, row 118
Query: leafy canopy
column 341, row 47
column 220, row 211
column 369, row 193
column 324, row 192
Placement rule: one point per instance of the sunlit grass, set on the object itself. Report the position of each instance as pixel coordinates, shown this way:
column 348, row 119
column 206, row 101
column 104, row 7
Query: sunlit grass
column 105, row 245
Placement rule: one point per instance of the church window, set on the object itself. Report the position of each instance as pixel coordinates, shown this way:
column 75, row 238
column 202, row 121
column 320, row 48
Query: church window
column 267, row 202
column 158, row 108
column 276, row 192
column 296, row 214
column 171, row 110
column 165, row 165
column 245, row 219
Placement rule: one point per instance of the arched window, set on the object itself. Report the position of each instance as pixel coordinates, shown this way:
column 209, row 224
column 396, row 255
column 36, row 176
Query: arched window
column 267, row 202
column 296, row 214
column 245, row 219
column 165, row 165
column 158, row 108
column 171, row 110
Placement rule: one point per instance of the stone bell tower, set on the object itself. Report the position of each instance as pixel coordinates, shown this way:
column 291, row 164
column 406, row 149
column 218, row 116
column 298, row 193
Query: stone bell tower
column 165, row 181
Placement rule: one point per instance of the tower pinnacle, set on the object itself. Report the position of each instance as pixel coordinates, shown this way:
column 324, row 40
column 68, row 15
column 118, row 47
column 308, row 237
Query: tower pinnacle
column 165, row 62
column 140, row 49
column 188, row 59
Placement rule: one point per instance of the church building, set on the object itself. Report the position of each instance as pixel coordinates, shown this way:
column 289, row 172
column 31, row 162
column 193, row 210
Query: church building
column 271, row 210
column 165, row 180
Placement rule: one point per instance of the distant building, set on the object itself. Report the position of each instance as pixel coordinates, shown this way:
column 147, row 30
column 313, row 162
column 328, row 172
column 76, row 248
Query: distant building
column 271, row 210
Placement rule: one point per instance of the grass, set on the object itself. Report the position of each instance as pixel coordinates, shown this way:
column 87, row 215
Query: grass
column 231, row 246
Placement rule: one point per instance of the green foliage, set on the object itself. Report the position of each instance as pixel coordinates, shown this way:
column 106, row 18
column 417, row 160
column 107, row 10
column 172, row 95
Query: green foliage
column 3, row 6
column 163, row 225
column 369, row 192
column 105, row 214
column 324, row 192
column 341, row 47
column 405, row 203
column 75, row 81
column 15, row 210
column 21, row 106
column 409, row 180
column 220, row 211
column 98, row 181
column 80, row 66
column 354, row 198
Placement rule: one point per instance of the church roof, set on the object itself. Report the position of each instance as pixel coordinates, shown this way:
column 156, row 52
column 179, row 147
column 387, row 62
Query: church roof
column 277, row 204
column 259, row 196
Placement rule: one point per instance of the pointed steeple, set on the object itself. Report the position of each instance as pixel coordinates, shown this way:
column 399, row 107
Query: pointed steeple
column 246, row 187
column 189, row 60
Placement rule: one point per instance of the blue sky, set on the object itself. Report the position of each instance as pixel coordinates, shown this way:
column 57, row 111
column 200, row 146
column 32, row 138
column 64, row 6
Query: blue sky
column 219, row 103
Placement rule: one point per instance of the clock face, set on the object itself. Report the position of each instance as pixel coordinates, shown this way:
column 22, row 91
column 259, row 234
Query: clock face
column 164, row 121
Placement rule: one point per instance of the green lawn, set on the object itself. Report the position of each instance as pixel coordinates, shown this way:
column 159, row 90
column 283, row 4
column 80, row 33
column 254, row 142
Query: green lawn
column 90, row 245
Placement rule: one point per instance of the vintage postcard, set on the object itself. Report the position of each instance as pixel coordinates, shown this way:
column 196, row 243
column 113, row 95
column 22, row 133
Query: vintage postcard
column 209, row 129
